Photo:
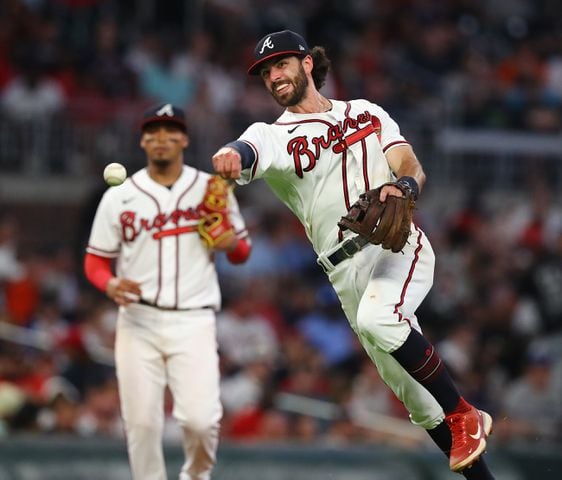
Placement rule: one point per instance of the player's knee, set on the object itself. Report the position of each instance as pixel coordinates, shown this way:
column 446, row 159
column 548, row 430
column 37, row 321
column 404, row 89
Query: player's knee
column 199, row 425
column 200, row 429
column 380, row 326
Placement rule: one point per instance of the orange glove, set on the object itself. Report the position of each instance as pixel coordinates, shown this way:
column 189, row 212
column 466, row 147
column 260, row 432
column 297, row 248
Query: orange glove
column 216, row 196
column 215, row 228
column 216, row 232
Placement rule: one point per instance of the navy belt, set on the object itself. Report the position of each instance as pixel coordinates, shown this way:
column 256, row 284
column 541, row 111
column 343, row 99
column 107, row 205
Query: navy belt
column 347, row 250
column 142, row 301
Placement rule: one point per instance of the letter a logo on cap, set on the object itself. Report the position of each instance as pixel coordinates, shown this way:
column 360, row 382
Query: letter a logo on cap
column 267, row 43
column 166, row 110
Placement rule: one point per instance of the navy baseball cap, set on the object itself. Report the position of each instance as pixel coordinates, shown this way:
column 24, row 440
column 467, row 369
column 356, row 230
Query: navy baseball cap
column 165, row 112
column 276, row 44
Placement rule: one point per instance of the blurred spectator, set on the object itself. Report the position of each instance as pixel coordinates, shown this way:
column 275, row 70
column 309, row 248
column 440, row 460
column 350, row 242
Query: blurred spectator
column 376, row 414
column 542, row 283
column 370, row 398
column 529, row 101
column 77, row 365
column 12, row 400
column 554, row 74
column 480, row 104
column 27, row 379
column 164, row 78
column 11, row 268
column 326, row 328
column 246, row 388
column 258, row 424
column 240, row 324
column 307, row 380
column 99, row 414
column 55, row 272
column 22, row 296
column 31, row 95
column 531, row 404
column 49, row 322
column 61, row 409
column 107, row 66
column 458, row 349
column 98, row 332
column 30, row 103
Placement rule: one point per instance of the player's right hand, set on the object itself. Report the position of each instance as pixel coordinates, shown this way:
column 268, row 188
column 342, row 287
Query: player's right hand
column 227, row 163
column 123, row 291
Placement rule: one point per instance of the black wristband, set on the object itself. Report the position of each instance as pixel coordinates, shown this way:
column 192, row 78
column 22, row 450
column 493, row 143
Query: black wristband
column 411, row 184
column 246, row 153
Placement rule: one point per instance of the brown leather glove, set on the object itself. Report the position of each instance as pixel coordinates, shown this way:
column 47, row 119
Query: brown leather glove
column 386, row 224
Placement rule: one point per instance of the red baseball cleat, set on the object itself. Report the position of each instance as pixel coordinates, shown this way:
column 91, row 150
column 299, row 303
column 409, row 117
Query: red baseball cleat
column 469, row 431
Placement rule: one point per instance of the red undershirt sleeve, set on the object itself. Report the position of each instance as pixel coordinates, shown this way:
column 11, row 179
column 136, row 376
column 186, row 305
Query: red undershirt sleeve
column 98, row 270
column 240, row 253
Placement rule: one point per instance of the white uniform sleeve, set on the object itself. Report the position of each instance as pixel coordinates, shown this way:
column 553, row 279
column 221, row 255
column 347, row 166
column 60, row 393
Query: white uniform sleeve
column 105, row 237
column 258, row 137
column 390, row 131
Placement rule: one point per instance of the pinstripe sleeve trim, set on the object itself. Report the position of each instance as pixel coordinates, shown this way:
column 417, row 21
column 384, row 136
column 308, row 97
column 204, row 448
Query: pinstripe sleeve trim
column 256, row 157
column 394, row 144
column 101, row 252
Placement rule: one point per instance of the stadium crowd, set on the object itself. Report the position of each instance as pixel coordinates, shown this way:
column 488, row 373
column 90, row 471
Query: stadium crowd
column 89, row 63
column 292, row 369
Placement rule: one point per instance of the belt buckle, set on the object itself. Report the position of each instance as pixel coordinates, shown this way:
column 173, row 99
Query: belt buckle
column 349, row 248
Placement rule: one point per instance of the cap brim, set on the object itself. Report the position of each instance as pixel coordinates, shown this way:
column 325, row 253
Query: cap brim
column 255, row 67
column 149, row 120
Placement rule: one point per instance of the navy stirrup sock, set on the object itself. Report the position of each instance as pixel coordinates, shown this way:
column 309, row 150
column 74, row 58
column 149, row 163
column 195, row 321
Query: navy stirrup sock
column 421, row 361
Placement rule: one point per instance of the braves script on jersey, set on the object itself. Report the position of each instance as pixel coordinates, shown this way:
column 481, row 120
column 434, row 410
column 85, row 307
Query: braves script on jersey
column 336, row 155
column 153, row 231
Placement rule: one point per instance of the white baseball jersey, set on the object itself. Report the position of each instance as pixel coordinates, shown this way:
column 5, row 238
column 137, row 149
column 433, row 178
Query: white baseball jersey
column 319, row 163
column 152, row 231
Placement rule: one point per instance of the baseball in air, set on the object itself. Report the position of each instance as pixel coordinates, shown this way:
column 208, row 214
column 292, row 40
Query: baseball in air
column 114, row 174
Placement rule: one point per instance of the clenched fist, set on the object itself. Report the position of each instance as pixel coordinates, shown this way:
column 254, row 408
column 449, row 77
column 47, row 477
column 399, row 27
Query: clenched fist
column 227, row 163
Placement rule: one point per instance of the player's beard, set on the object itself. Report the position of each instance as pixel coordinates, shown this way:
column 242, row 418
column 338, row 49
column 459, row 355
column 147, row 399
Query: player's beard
column 299, row 83
column 161, row 163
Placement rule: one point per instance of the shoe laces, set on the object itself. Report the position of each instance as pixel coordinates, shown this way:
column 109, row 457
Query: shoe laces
column 457, row 425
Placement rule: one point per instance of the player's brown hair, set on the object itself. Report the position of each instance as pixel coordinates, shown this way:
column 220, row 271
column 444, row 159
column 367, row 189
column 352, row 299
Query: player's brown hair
column 321, row 66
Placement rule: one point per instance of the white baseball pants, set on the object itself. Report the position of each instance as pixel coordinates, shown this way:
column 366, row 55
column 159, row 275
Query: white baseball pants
column 155, row 348
column 380, row 292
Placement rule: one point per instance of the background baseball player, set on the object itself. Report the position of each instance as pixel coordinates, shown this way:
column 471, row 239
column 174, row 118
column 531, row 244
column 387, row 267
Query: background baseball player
column 166, row 284
column 318, row 157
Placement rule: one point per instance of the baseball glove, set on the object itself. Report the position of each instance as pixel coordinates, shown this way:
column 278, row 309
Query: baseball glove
column 386, row 224
column 216, row 231
column 215, row 228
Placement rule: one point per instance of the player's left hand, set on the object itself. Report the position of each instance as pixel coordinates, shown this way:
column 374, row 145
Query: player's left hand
column 390, row 189
column 386, row 223
column 227, row 163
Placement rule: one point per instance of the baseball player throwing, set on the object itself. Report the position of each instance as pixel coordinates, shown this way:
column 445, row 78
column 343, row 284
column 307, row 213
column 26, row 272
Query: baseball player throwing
column 154, row 225
column 320, row 158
